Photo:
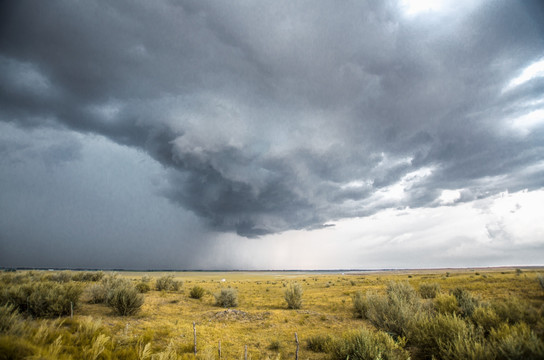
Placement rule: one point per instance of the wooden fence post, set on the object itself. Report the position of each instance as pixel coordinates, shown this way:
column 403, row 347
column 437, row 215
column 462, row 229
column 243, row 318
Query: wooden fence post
column 296, row 340
column 71, row 310
column 219, row 350
column 194, row 334
column 245, row 352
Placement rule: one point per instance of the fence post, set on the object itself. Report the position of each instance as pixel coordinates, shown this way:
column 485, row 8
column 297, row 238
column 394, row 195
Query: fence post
column 296, row 340
column 194, row 334
column 245, row 352
column 71, row 310
column 219, row 350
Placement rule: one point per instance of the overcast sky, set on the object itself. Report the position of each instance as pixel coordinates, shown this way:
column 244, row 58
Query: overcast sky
column 271, row 134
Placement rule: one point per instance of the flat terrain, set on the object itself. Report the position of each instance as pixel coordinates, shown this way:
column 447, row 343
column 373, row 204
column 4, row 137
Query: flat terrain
column 262, row 321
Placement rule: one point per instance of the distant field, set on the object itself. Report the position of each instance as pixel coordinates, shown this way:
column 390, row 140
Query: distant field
column 262, row 322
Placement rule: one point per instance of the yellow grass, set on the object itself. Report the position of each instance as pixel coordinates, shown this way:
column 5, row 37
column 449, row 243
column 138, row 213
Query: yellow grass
column 262, row 315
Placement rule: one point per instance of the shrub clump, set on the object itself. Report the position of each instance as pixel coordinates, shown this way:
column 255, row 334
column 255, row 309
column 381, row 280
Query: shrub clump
column 319, row 343
column 445, row 304
column 125, row 299
column 397, row 311
column 434, row 334
column 119, row 294
column 42, row 299
column 540, row 278
column 429, row 290
column 197, row 292
column 88, row 276
column 293, row 296
column 99, row 293
column 485, row 318
column 167, row 283
column 367, row 345
column 359, row 305
column 516, row 342
column 143, row 287
column 226, row 298
column 467, row 303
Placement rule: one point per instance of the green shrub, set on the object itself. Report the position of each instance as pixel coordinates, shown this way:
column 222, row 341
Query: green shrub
column 397, row 312
column 167, row 283
column 226, row 298
column 62, row 277
column 435, row 333
column 319, row 343
column 429, row 290
column 197, row 292
column 99, row 293
column 42, row 299
column 467, row 303
column 125, row 299
column 541, row 280
column 445, row 304
column 516, row 342
column 365, row 344
column 514, row 310
column 88, row 276
column 143, row 287
column 485, row 318
column 469, row 347
column 293, row 296
column 359, row 305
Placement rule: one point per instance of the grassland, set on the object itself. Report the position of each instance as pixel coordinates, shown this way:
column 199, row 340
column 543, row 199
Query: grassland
column 163, row 328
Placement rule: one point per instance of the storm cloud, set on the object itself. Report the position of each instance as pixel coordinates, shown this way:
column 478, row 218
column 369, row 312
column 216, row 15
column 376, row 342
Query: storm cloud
column 276, row 116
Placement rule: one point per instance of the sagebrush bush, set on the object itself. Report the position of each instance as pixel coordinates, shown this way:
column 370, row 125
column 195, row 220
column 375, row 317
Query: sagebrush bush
column 99, row 293
column 88, row 276
column 467, row 303
column 143, row 287
column 445, row 304
column 514, row 310
column 125, row 299
column 486, row 318
column 197, row 292
column 516, row 342
column 293, row 296
column 540, row 279
column 319, row 343
column 433, row 334
column 226, row 298
column 396, row 312
column 62, row 276
column 429, row 290
column 42, row 299
column 167, row 283
column 365, row 344
column 359, row 305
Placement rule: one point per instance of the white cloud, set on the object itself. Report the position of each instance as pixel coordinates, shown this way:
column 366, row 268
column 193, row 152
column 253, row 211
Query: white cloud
column 449, row 196
column 531, row 72
column 426, row 237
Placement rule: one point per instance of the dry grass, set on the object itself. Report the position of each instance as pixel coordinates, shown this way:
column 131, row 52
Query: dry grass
column 262, row 318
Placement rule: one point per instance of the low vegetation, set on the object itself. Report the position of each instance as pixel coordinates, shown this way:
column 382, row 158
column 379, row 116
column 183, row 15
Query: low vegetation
column 497, row 314
column 227, row 298
column 293, row 296
column 197, row 292
column 167, row 283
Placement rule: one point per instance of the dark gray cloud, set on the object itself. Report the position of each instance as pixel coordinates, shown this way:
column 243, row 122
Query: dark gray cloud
column 276, row 116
